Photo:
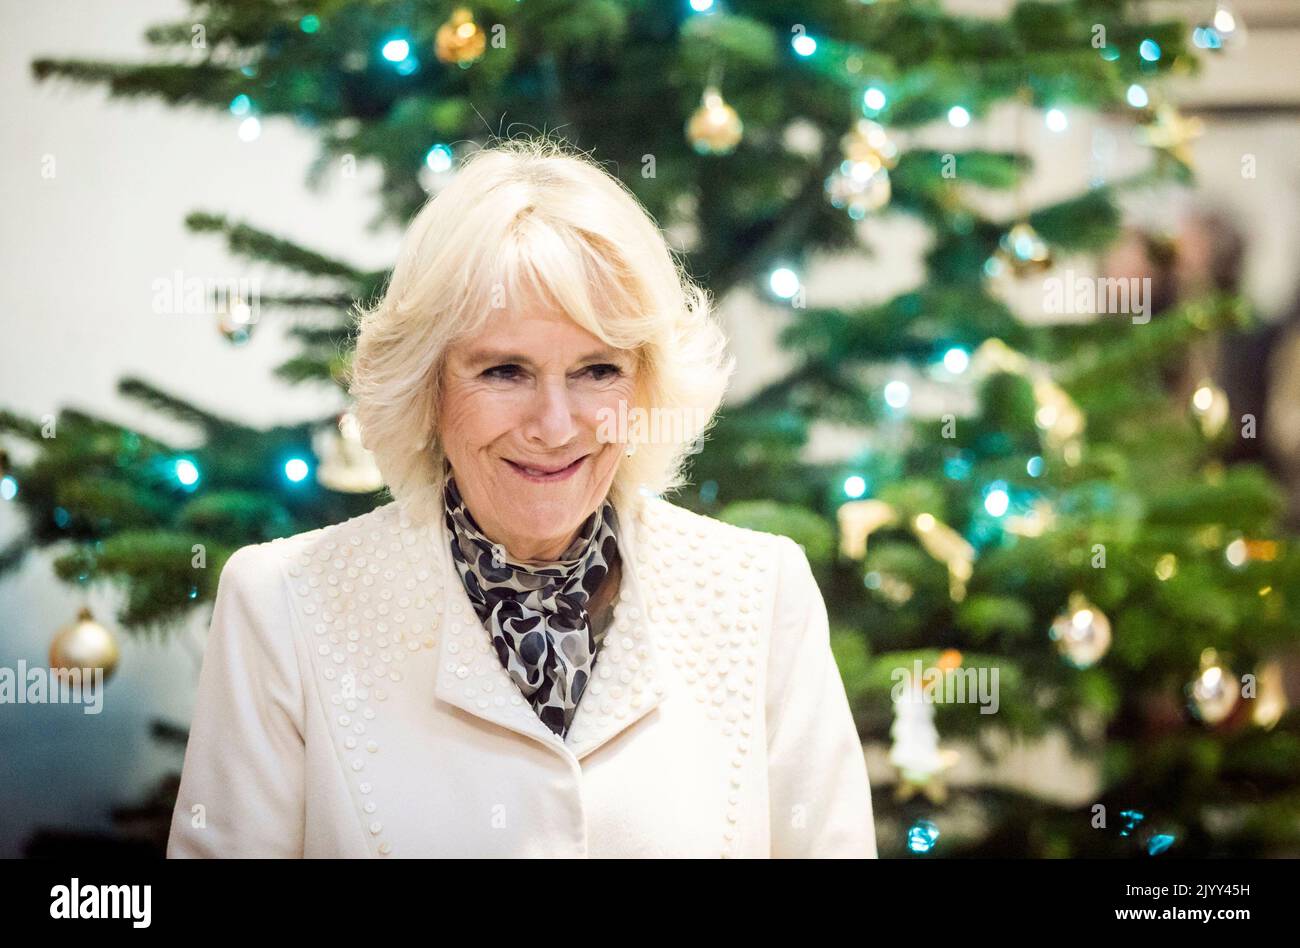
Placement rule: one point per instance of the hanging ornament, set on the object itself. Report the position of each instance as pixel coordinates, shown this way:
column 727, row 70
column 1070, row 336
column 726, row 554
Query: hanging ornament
column 714, row 128
column 1021, row 251
column 1056, row 414
column 460, row 40
column 1271, row 700
column 861, row 182
column 1171, row 134
column 1058, row 417
column 1209, row 406
column 915, row 750
column 85, row 644
column 1081, row 633
column 1213, row 694
column 235, row 319
column 858, row 519
column 345, row 466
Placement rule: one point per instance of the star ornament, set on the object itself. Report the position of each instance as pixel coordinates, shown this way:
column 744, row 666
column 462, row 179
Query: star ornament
column 1171, row 133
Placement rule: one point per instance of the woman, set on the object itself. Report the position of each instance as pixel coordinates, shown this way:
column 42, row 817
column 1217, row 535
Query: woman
column 528, row 652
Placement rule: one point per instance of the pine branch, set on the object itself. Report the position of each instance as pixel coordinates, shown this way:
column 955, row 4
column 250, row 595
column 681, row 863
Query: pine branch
column 251, row 243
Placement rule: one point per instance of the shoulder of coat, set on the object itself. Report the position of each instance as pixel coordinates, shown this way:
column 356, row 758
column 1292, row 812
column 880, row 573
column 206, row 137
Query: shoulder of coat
column 364, row 530
column 668, row 524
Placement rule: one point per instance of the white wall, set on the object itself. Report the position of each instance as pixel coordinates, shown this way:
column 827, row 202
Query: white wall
column 81, row 251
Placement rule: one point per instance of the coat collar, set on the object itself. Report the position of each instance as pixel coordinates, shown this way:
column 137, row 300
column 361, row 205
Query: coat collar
column 628, row 679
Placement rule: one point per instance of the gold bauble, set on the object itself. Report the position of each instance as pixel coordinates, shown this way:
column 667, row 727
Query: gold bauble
column 1022, row 251
column 1209, row 405
column 1081, row 633
column 861, row 182
column 714, row 128
column 1213, row 694
column 84, row 644
column 345, row 465
column 868, row 142
column 859, row 187
column 460, row 40
column 1271, row 700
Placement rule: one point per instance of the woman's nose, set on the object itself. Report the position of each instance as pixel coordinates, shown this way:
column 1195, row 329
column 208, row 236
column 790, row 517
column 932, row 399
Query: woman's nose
column 551, row 421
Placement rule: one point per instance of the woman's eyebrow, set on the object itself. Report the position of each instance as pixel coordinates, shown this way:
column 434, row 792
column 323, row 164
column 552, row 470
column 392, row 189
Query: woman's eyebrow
column 496, row 357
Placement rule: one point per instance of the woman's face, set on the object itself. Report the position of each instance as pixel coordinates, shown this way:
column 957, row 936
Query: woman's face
column 521, row 405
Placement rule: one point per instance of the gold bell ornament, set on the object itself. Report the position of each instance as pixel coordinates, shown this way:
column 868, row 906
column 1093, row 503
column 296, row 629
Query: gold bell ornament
column 714, row 128
column 1213, row 694
column 1021, row 251
column 1081, row 633
column 85, row 644
column 861, row 182
column 460, row 40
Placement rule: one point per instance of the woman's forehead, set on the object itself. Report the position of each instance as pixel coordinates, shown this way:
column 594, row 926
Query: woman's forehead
column 533, row 334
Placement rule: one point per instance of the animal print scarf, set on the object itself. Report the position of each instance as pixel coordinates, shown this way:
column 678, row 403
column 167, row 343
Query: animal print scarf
column 537, row 614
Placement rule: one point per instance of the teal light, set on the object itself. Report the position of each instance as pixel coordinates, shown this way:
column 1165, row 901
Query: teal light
column 1207, row 37
column 310, row 23
column 187, row 472
column 439, row 158
column 1149, row 50
column 8, row 487
column 396, row 50
column 804, row 45
column 897, row 394
column 784, row 282
column 1159, row 843
column 956, row 359
column 921, row 836
column 855, row 486
column 240, row 104
column 996, row 499
column 296, row 470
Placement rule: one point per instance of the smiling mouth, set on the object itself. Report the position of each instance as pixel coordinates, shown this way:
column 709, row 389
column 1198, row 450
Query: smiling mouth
column 545, row 475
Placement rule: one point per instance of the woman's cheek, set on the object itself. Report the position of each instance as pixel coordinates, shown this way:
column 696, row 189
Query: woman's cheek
column 482, row 414
column 607, row 406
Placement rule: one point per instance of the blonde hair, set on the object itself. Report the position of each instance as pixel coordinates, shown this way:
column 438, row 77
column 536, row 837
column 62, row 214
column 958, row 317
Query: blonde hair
column 529, row 216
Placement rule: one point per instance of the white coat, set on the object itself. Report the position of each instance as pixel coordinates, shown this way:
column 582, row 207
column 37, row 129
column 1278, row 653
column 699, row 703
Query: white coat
column 350, row 705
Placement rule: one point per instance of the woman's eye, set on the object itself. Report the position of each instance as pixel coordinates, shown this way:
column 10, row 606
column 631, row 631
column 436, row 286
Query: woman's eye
column 507, row 372
column 603, row 371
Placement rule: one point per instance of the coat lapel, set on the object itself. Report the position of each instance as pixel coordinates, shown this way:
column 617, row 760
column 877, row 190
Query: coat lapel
column 627, row 680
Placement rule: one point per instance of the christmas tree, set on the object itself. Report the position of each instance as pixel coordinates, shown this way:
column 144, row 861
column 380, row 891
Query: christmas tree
column 1062, row 520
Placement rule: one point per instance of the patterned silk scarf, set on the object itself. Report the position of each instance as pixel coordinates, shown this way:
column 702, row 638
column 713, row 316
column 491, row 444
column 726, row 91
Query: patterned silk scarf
column 537, row 614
